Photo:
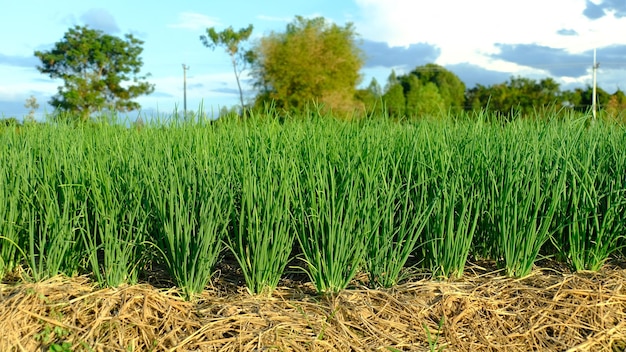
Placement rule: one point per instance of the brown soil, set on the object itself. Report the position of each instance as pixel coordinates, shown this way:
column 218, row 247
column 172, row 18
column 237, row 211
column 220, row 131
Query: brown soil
column 547, row 311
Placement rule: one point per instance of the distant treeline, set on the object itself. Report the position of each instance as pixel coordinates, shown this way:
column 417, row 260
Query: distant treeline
column 432, row 90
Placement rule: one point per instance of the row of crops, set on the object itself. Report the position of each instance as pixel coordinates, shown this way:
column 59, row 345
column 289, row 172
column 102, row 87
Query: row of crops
column 346, row 198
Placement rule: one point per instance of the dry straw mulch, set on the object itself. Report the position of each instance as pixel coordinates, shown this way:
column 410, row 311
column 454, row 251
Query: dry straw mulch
column 547, row 311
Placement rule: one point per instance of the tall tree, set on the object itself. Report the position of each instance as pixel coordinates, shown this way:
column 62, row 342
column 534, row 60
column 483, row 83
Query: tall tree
column 311, row 61
column 232, row 42
column 96, row 68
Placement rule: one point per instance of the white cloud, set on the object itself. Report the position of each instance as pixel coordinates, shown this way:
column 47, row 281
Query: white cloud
column 194, row 21
column 466, row 31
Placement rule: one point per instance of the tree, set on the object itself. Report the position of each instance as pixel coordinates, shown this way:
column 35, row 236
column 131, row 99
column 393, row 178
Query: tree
column 312, row 61
column 411, row 87
column 450, row 87
column 95, row 67
column 232, row 40
column 423, row 99
column 394, row 99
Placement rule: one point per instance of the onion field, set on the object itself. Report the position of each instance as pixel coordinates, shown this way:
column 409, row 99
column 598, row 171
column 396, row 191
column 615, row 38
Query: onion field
column 345, row 198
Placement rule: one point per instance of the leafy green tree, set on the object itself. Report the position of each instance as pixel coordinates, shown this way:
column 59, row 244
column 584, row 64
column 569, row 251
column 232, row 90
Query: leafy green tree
column 449, row 86
column 411, row 87
column 432, row 101
column 312, row 61
column 394, row 99
column 422, row 98
column 232, row 42
column 96, row 68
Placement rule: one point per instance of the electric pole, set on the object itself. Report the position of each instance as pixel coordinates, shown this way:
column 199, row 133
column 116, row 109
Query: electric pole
column 185, row 68
column 593, row 94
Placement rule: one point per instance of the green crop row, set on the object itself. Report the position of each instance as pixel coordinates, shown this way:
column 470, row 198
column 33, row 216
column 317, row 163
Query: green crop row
column 344, row 197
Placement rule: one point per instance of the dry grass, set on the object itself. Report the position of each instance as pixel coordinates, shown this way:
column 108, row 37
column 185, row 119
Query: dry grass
column 547, row 311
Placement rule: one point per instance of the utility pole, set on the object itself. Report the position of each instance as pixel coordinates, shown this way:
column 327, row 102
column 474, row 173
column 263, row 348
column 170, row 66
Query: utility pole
column 593, row 94
column 185, row 68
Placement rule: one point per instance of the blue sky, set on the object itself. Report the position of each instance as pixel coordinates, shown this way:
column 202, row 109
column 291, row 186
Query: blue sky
column 482, row 41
